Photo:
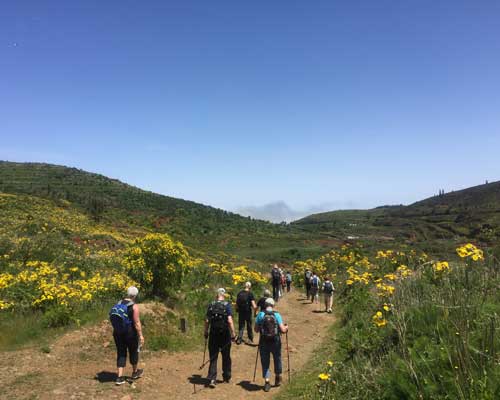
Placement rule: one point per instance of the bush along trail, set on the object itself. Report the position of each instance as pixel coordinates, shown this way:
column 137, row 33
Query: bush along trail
column 81, row 364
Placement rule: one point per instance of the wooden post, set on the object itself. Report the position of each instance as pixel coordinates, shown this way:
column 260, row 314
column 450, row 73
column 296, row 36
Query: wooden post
column 183, row 325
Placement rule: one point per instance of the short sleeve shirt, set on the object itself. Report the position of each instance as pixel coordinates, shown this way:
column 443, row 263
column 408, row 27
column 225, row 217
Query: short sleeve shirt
column 260, row 318
column 261, row 304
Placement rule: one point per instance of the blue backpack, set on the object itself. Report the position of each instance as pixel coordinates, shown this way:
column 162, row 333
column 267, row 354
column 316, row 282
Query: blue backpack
column 118, row 315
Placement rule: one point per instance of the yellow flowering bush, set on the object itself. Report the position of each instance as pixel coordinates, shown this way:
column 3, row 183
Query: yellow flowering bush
column 471, row 252
column 157, row 262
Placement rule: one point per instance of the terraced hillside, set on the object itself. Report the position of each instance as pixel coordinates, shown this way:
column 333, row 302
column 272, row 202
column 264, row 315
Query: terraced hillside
column 117, row 205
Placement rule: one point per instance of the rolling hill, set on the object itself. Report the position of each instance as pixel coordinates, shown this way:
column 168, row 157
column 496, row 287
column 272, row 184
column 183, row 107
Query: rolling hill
column 472, row 214
column 124, row 208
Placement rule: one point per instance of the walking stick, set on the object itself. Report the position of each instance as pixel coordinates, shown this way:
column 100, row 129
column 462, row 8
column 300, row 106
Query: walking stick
column 204, row 351
column 212, row 359
column 256, row 360
column 288, row 355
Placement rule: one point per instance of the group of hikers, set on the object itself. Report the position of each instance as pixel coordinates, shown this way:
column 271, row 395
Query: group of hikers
column 219, row 327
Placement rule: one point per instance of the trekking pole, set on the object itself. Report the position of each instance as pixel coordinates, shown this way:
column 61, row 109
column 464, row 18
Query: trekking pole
column 212, row 359
column 288, row 355
column 204, row 351
column 256, row 360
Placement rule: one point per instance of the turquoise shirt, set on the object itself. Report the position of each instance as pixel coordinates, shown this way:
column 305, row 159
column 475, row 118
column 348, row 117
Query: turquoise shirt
column 260, row 318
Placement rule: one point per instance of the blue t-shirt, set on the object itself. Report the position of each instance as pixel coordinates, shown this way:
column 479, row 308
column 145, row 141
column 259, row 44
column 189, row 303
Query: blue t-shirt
column 260, row 318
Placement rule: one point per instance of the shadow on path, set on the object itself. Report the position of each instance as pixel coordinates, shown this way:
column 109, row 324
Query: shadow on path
column 249, row 386
column 106, row 376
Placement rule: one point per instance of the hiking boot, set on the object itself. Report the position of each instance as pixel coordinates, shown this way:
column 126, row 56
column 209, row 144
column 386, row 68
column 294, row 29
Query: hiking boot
column 239, row 340
column 212, row 384
column 250, row 340
column 120, row 381
column 227, row 380
column 137, row 374
column 277, row 382
column 267, row 386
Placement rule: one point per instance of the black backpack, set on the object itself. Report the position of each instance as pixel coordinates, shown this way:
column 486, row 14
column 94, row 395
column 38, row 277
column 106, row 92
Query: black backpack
column 276, row 274
column 328, row 287
column 218, row 316
column 269, row 327
column 242, row 301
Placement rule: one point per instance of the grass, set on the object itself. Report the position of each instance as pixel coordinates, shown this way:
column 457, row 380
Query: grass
column 303, row 383
column 29, row 329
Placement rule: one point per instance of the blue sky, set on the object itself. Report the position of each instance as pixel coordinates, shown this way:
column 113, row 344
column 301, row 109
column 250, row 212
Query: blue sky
column 322, row 104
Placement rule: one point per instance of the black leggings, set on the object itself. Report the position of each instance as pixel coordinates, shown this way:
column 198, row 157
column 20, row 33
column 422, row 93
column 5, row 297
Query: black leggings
column 123, row 343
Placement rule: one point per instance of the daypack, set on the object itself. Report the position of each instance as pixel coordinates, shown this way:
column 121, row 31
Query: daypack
column 315, row 282
column 288, row 277
column 276, row 274
column 308, row 275
column 269, row 327
column 242, row 301
column 328, row 287
column 118, row 316
column 218, row 316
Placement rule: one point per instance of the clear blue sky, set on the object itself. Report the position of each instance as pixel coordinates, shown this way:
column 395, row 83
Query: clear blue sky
column 231, row 103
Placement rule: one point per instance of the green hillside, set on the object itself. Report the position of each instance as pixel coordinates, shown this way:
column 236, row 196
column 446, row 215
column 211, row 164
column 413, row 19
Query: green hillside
column 472, row 213
column 116, row 205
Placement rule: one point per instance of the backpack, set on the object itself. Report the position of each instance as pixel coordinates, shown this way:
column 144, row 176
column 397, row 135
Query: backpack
column 288, row 277
column 118, row 316
column 242, row 301
column 276, row 274
column 269, row 326
column 218, row 316
column 308, row 275
column 315, row 282
column 328, row 287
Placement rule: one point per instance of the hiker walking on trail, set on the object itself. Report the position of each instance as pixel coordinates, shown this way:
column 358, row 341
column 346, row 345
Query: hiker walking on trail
column 269, row 324
column 261, row 303
column 307, row 281
column 314, row 289
column 276, row 282
column 283, row 282
column 127, row 333
column 245, row 305
column 328, row 289
column 288, row 277
column 219, row 329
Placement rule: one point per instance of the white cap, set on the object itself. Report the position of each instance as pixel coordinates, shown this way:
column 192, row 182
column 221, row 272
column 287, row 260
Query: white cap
column 132, row 291
column 221, row 291
column 269, row 302
column 248, row 285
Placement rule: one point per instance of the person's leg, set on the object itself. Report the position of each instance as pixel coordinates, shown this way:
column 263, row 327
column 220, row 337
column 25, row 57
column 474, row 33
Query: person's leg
column 276, row 350
column 213, row 353
column 121, row 353
column 265, row 360
column 330, row 303
column 249, row 326
column 133, row 346
column 241, row 326
column 226, row 358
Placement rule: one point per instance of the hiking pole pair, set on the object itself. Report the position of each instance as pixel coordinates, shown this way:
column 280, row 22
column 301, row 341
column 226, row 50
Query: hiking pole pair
column 205, row 350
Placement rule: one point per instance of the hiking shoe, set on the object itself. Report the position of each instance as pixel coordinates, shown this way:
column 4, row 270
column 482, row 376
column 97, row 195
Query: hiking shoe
column 227, row 380
column 239, row 340
column 267, row 386
column 212, row 384
column 120, row 380
column 250, row 340
column 277, row 382
column 137, row 374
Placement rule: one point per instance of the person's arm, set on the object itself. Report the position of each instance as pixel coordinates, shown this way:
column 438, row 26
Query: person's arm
column 137, row 323
column 283, row 328
column 231, row 326
column 254, row 305
column 207, row 324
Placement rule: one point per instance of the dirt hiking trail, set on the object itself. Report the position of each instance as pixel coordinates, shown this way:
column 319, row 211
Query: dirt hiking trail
column 77, row 359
